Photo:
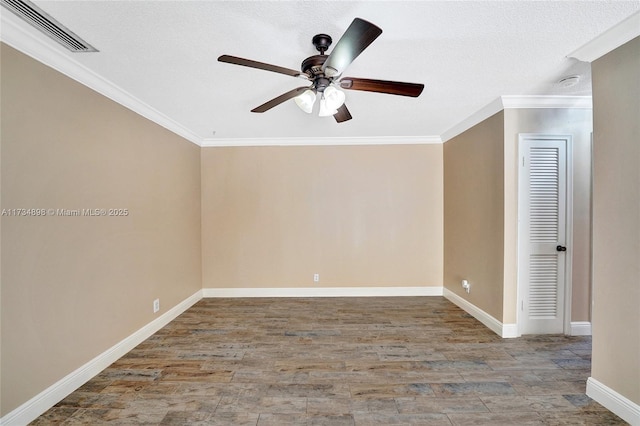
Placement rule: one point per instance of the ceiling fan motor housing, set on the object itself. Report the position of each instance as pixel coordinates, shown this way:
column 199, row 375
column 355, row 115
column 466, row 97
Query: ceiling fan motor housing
column 312, row 66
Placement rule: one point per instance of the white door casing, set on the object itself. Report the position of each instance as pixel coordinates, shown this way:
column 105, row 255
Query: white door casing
column 544, row 204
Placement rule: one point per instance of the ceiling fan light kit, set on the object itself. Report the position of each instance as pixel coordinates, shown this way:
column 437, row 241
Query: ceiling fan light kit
column 324, row 73
column 331, row 100
column 325, row 111
column 306, row 100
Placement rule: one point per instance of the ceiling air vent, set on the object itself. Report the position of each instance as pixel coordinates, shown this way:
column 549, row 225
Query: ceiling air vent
column 39, row 19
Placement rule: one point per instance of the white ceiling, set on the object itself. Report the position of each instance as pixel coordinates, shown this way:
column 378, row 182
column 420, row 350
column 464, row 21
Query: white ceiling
column 467, row 53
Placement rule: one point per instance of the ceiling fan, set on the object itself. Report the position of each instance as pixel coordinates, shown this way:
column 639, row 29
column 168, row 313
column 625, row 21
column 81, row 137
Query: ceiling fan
column 324, row 72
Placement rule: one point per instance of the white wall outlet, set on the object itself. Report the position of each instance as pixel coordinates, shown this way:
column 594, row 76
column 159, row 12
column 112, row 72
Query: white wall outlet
column 156, row 305
column 316, row 278
column 466, row 286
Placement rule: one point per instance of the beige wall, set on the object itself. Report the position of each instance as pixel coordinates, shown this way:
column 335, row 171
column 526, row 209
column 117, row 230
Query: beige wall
column 481, row 208
column 474, row 214
column 74, row 286
column 562, row 121
column 357, row 215
column 616, row 220
column 404, row 215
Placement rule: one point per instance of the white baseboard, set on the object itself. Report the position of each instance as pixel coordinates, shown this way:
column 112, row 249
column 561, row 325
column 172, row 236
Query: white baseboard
column 46, row 399
column 624, row 408
column 509, row 331
column 502, row 330
column 580, row 328
column 322, row 292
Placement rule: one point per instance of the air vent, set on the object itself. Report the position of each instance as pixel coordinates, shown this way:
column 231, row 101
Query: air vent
column 39, row 19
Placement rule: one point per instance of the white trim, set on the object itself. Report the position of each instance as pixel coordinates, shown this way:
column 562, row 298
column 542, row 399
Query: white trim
column 623, row 407
column 45, row 52
column 46, row 399
column 609, row 40
column 516, row 102
column 373, row 140
column 40, row 49
column 510, row 331
column 502, row 330
column 568, row 289
column 322, row 292
column 477, row 117
column 580, row 328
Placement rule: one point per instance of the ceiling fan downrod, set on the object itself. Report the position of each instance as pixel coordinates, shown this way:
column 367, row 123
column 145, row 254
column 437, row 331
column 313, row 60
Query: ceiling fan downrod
column 313, row 65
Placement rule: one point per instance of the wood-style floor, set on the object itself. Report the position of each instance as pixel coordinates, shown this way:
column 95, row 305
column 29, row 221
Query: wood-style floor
column 338, row 361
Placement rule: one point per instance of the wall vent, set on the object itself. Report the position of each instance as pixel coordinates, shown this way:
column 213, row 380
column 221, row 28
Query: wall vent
column 39, row 19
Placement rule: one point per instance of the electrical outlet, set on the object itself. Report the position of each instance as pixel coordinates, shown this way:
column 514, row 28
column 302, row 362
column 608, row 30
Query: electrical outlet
column 156, row 305
column 466, row 286
column 316, row 278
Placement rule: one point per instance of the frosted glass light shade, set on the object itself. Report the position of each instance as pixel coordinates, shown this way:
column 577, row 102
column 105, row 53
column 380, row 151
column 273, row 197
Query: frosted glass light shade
column 334, row 97
column 325, row 111
column 306, row 100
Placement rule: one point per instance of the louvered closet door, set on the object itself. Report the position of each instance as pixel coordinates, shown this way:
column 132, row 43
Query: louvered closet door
column 543, row 229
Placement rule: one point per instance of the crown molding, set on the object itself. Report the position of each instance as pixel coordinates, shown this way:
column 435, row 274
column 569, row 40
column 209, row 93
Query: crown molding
column 477, row 117
column 516, row 102
column 14, row 34
column 43, row 51
column 609, row 40
column 581, row 102
column 304, row 141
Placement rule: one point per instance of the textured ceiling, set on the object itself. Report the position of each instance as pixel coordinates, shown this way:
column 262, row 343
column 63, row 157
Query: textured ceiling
column 467, row 53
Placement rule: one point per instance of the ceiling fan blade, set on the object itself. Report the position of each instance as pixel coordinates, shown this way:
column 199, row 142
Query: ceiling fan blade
column 280, row 99
column 358, row 37
column 382, row 86
column 259, row 65
column 343, row 114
